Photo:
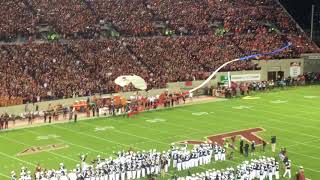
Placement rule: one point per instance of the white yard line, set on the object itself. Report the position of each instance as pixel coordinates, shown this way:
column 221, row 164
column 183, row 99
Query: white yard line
column 22, row 143
column 17, row 159
column 68, row 142
column 316, row 158
column 273, row 106
column 93, row 136
column 305, row 143
column 269, row 119
column 279, row 149
column 193, row 128
column 3, row 175
column 240, row 121
column 159, row 142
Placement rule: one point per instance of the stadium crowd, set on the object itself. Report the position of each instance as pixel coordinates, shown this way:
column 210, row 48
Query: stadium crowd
column 77, row 66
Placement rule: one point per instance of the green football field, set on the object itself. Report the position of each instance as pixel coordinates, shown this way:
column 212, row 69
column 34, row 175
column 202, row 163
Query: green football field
column 293, row 115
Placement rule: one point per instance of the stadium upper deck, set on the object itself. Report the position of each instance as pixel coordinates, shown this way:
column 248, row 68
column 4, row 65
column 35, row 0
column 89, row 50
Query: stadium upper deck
column 213, row 32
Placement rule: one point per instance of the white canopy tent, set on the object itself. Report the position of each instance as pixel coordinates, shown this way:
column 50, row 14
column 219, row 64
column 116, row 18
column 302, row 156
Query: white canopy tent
column 137, row 81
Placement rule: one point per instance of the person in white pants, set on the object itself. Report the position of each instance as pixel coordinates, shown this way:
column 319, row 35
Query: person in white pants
column 288, row 169
column 277, row 171
column 223, row 154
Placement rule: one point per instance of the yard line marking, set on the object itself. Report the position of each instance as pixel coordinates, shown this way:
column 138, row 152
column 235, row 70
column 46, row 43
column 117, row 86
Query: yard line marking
column 293, row 164
column 96, row 137
column 70, row 143
column 305, row 155
column 22, row 143
column 269, row 127
column 294, row 153
column 160, row 142
column 268, row 119
column 17, row 159
column 129, row 134
column 281, row 114
column 300, row 143
column 305, row 143
column 3, row 175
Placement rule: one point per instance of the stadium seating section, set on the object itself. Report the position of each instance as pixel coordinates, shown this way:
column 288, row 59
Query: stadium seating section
column 160, row 40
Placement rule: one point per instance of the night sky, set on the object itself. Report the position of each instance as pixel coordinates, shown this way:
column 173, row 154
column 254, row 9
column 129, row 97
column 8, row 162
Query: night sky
column 301, row 10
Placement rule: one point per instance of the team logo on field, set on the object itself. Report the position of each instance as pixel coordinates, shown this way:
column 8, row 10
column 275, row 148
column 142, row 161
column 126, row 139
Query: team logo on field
column 39, row 149
column 248, row 134
column 251, row 97
column 278, row 101
column 50, row 136
column 242, row 107
column 156, row 120
column 105, row 128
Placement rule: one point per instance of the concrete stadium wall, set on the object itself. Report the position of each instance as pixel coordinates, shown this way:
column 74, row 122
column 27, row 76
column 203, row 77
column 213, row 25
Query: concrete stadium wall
column 311, row 62
column 277, row 65
column 181, row 85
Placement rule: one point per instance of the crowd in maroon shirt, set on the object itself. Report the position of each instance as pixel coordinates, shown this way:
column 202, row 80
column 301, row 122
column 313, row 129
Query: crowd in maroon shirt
column 83, row 63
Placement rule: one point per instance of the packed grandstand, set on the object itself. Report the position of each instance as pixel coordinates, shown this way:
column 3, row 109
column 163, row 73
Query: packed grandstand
column 161, row 41
column 65, row 48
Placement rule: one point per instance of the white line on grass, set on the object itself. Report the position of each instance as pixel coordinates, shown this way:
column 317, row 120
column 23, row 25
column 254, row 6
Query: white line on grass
column 293, row 164
column 22, row 143
column 294, row 153
column 70, row 143
column 109, row 140
column 305, row 143
column 270, row 119
column 281, row 129
column 276, row 113
column 96, row 137
column 3, row 175
column 297, row 142
column 17, row 159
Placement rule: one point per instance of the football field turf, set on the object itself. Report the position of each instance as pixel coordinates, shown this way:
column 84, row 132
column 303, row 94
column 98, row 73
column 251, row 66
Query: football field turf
column 293, row 115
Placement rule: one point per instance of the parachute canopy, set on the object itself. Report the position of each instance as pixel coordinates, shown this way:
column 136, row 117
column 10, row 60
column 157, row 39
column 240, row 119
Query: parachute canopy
column 137, row 81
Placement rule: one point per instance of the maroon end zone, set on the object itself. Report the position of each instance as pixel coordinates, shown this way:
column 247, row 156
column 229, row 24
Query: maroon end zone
column 248, row 134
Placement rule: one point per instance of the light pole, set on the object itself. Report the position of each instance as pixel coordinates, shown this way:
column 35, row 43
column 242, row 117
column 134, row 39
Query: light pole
column 312, row 15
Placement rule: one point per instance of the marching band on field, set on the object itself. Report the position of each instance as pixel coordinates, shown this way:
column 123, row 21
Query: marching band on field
column 136, row 165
